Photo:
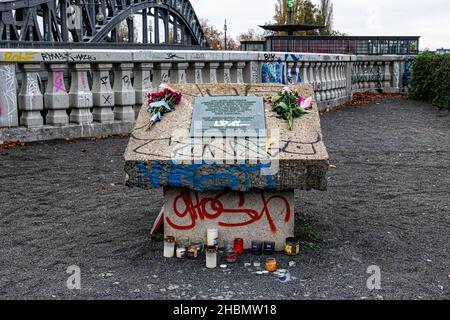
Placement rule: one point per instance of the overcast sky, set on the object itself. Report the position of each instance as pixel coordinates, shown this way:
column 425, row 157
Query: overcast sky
column 429, row 19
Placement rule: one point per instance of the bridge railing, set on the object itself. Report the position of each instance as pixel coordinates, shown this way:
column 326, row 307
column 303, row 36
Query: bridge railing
column 47, row 94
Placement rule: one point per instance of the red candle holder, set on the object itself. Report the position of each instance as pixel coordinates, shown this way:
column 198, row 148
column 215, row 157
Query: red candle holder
column 238, row 246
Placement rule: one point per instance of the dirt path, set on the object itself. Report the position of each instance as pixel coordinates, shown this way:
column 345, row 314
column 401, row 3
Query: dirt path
column 64, row 203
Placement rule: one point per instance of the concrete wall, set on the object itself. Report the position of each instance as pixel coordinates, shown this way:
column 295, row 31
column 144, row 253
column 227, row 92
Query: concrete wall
column 50, row 94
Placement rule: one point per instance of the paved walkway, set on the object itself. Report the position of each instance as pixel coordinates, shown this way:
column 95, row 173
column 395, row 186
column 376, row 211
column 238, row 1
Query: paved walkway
column 64, row 203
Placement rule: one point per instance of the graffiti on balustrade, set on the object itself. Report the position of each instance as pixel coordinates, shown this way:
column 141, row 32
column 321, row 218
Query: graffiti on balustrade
column 67, row 56
column 217, row 179
column 8, row 98
column 173, row 56
column 32, row 85
column 407, row 73
column 229, row 210
column 279, row 70
column 367, row 74
column 58, row 84
column 19, row 56
column 107, row 99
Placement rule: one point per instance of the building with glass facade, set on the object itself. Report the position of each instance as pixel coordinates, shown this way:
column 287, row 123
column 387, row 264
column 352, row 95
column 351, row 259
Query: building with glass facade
column 336, row 45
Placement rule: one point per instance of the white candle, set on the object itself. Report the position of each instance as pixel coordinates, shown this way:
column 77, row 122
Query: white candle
column 211, row 257
column 212, row 237
column 169, row 247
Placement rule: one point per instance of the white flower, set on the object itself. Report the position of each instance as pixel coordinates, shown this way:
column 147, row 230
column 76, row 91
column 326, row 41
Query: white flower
column 286, row 90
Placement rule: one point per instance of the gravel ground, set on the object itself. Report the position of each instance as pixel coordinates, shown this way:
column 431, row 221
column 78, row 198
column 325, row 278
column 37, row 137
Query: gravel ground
column 64, row 203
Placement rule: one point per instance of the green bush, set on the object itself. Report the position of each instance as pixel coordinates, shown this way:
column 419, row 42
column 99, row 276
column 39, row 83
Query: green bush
column 431, row 79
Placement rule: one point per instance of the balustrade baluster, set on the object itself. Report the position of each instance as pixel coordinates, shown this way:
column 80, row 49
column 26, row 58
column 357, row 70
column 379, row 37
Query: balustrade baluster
column 213, row 66
column 102, row 93
column 31, row 101
column 143, row 81
column 56, row 99
column 80, row 95
column 124, row 94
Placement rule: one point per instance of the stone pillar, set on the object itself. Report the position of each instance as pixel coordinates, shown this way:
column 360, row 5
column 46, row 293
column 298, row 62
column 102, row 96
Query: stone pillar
column 342, row 82
column 80, row 95
column 348, row 78
column 180, row 69
column 278, row 206
column 163, row 73
column 298, row 76
column 323, row 84
column 290, row 75
column 372, row 75
column 305, row 72
column 361, row 75
column 333, row 82
column 252, row 74
column 31, row 101
column 387, row 74
column 124, row 94
column 9, row 115
column 197, row 76
column 213, row 66
column 396, row 75
column 102, row 93
column 328, row 82
column 56, row 99
column 240, row 72
column 225, row 73
column 314, row 80
column 143, row 73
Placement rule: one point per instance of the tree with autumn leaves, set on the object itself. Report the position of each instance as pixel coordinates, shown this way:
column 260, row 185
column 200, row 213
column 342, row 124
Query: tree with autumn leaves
column 304, row 12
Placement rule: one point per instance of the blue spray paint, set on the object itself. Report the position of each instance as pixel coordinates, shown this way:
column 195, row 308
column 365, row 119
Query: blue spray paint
column 179, row 175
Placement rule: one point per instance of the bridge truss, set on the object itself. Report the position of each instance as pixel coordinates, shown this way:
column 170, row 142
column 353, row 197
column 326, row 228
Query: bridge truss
column 100, row 23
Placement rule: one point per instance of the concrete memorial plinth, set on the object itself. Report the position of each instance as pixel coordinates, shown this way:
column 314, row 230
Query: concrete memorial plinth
column 242, row 184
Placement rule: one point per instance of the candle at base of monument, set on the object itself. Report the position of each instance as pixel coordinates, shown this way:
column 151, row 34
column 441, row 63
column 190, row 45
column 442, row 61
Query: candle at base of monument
column 271, row 265
column 257, row 248
column 239, row 246
column 181, row 252
column 169, row 247
column 292, row 247
column 211, row 257
column 231, row 256
column 269, row 247
column 212, row 237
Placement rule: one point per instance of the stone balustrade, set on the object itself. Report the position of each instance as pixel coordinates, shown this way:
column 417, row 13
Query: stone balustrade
column 49, row 94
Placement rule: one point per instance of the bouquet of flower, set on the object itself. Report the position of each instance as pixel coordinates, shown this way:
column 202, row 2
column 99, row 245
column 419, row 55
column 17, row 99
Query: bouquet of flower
column 161, row 102
column 289, row 104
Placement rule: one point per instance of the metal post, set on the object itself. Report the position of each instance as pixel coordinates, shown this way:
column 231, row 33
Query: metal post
column 156, row 16
column 225, row 28
column 144, row 26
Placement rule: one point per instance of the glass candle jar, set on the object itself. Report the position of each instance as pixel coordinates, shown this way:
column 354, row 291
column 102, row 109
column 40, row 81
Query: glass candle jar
column 211, row 257
column 271, row 265
column 183, row 242
column 192, row 253
column 257, row 248
column 169, row 246
column 231, row 256
column 292, row 247
column 269, row 247
column 181, row 252
column 199, row 244
column 238, row 246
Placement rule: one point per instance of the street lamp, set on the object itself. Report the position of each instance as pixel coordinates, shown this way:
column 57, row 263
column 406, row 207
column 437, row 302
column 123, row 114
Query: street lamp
column 225, row 28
